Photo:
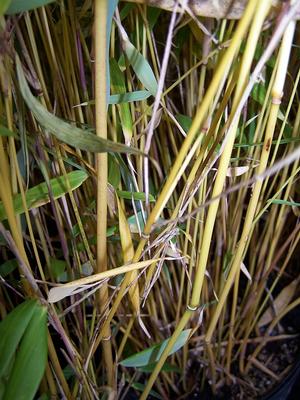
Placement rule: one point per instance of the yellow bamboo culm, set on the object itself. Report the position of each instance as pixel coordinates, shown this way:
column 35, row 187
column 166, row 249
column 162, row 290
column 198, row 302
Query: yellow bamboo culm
column 197, row 285
column 101, row 160
column 248, row 224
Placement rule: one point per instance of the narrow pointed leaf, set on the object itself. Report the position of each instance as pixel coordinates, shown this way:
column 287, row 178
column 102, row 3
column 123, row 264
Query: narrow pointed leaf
column 12, row 329
column 39, row 195
column 152, row 355
column 134, row 195
column 112, row 4
column 118, row 86
column 128, row 97
column 18, row 6
column 31, row 357
column 286, row 203
column 128, row 254
column 5, row 131
column 60, row 292
column 3, row 6
column 141, row 67
column 64, row 131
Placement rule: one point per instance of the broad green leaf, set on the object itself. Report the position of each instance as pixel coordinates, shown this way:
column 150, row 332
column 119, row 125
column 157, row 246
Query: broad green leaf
column 38, row 195
column 141, row 387
column 118, row 86
column 166, row 368
column 58, row 267
column 4, row 6
column 141, row 67
column 68, row 372
column 18, row 6
column 126, row 10
column 119, row 98
column 286, row 202
column 114, row 174
column 259, row 93
column 112, row 4
column 128, row 97
column 65, row 132
column 12, row 329
column 153, row 353
column 5, row 131
column 136, row 222
column 31, row 357
column 7, row 267
column 152, row 16
column 184, row 121
column 134, row 195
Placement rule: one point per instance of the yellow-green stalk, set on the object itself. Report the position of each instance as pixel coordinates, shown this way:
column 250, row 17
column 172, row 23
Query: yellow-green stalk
column 101, row 160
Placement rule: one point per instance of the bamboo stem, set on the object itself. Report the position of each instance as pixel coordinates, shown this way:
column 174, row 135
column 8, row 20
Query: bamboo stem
column 101, row 161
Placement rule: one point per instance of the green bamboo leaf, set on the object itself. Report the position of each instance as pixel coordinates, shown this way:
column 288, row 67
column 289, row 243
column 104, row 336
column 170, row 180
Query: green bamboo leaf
column 31, row 357
column 58, row 267
column 259, row 93
column 18, row 6
column 5, row 131
column 39, row 195
column 4, row 6
column 141, row 387
column 112, row 4
column 129, row 97
column 134, row 195
column 7, row 267
column 153, row 353
column 140, row 66
column 184, row 121
column 65, row 132
column 286, row 202
column 118, row 86
column 12, row 329
column 166, row 368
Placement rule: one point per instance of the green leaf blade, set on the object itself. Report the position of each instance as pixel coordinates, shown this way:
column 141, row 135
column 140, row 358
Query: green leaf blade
column 153, row 353
column 39, row 195
column 64, row 131
column 31, row 358
column 18, row 6
column 141, row 67
column 12, row 329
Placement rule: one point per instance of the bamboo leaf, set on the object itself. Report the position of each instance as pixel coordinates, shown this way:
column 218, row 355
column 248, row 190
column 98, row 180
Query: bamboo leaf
column 140, row 66
column 65, row 132
column 153, row 353
column 12, row 329
column 129, row 97
column 128, row 254
column 60, row 292
column 4, row 5
column 285, row 203
column 18, row 6
column 112, row 4
column 39, row 195
column 280, row 303
column 246, row 272
column 31, row 357
column 5, row 131
column 236, row 171
column 7, row 267
column 141, row 387
column 134, row 195
column 118, row 86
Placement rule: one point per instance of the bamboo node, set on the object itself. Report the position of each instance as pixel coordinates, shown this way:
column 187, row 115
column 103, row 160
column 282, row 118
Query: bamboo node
column 276, row 99
column 192, row 308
